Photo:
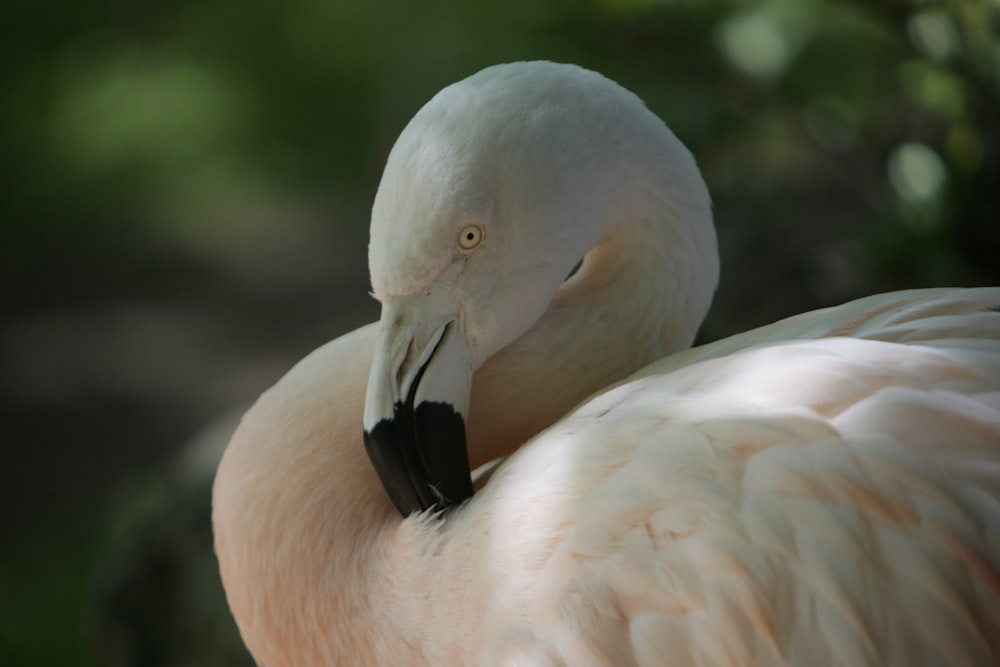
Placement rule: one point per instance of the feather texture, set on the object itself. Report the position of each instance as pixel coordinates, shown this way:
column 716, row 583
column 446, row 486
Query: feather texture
column 826, row 501
column 824, row 490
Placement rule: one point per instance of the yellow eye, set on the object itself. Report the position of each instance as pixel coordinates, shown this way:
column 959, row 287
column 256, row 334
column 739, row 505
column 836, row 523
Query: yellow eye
column 470, row 237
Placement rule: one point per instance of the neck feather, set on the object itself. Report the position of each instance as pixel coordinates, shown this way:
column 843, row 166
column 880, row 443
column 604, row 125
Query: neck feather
column 299, row 515
column 641, row 294
column 317, row 564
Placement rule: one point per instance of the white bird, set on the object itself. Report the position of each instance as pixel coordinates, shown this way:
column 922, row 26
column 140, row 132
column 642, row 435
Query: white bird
column 821, row 491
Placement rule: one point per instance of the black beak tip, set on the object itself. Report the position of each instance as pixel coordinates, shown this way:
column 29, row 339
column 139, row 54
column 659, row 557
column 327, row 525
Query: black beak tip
column 440, row 438
column 421, row 458
column 384, row 446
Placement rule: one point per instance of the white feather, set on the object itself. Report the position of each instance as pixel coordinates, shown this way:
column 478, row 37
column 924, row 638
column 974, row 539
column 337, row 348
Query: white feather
column 821, row 491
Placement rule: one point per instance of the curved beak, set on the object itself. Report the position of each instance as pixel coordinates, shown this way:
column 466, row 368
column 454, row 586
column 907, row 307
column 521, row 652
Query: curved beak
column 415, row 407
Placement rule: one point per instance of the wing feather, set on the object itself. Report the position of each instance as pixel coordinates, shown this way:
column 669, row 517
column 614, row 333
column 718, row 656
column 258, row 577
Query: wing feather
column 828, row 501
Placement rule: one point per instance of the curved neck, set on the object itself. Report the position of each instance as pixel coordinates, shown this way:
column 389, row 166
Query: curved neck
column 641, row 294
column 318, row 566
column 300, row 518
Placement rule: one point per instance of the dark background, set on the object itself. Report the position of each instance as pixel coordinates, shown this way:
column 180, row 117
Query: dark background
column 184, row 205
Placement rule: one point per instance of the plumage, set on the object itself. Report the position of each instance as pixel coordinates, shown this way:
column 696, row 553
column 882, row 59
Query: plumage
column 824, row 490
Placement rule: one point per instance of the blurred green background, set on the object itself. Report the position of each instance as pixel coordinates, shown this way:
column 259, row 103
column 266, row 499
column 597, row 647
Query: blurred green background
column 184, row 215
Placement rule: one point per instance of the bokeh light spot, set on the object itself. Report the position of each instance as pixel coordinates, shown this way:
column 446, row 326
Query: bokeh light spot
column 754, row 44
column 916, row 172
column 934, row 88
column 933, row 34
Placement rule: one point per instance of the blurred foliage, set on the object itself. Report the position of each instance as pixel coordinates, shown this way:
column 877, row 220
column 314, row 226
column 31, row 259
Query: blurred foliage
column 150, row 148
column 131, row 123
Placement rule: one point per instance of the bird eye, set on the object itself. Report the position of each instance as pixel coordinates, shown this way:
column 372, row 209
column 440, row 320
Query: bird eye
column 470, row 237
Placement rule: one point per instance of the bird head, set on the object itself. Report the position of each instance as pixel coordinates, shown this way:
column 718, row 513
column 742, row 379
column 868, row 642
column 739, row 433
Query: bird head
column 490, row 196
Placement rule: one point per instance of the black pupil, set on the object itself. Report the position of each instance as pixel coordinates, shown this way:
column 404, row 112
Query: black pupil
column 470, row 236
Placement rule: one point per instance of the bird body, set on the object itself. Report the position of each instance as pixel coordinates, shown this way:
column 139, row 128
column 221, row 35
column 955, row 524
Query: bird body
column 824, row 490
column 824, row 501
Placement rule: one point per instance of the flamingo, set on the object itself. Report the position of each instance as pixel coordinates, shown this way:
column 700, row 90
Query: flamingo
column 824, row 490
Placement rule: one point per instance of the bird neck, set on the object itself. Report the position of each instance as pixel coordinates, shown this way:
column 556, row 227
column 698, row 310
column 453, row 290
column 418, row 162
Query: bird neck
column 640, row 294
column 317, row 564
column 300, row 518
